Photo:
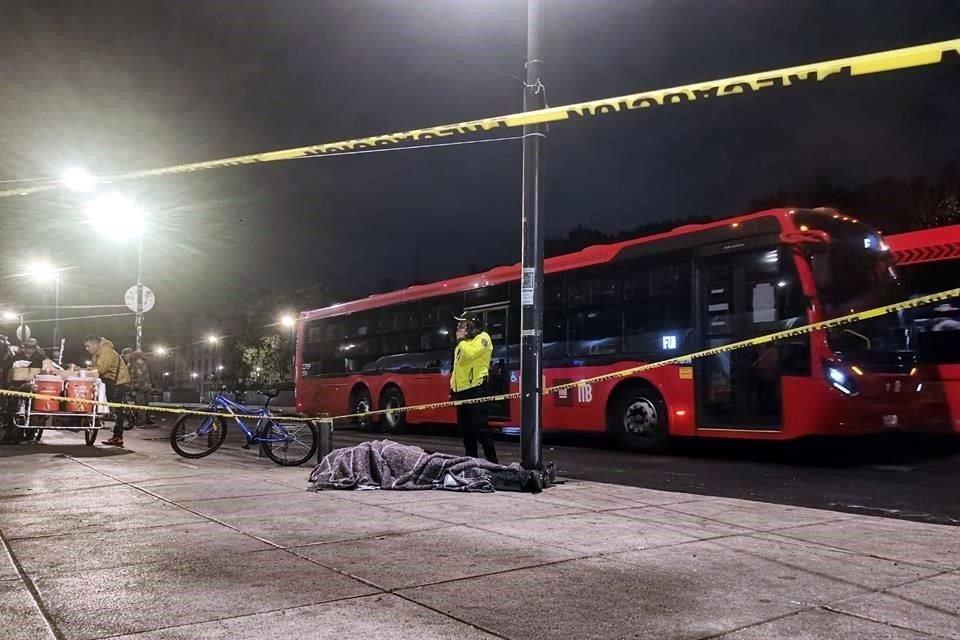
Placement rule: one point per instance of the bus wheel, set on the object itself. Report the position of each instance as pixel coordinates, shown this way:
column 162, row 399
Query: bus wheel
column 393, row 421
column 359, row 402
column 637, row 419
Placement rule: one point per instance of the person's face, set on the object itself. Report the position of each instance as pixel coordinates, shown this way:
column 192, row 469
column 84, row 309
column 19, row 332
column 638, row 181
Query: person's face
column 91, row 347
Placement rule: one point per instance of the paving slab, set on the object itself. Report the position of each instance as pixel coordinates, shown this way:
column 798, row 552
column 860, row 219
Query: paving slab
column 382, row 617
column 200, row 541
column 819, row 624
column 931, row 605
column 761, row 516
column 598, row 495
column 599, row 598
column 918, row 543
column 425, row 557
column 88, row 519
column 388, row 498
column 75, row 499
column 126, row 600
column 19, row 616
column 469, row 508
column 139, row 468
column 609, row 532
column 309, row 518
column 48, row 477
column 228, row 485
column 842, row 574
column 751, row 569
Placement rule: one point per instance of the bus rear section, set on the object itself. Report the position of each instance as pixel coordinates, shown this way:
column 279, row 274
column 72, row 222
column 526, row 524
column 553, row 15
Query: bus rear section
column 929, row 261
column 613, row 307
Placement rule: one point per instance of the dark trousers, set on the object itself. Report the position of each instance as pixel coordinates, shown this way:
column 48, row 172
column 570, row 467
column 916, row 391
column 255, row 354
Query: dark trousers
column 117, row 393
column 472, row 421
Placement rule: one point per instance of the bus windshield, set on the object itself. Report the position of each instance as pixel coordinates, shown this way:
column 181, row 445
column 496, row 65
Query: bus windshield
column 855, row 272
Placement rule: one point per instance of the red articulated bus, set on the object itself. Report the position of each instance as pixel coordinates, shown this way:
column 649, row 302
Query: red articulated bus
column 615, row 306
column 929, row 261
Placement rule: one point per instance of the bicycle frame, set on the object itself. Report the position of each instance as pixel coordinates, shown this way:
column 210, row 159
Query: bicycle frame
column 238, row 412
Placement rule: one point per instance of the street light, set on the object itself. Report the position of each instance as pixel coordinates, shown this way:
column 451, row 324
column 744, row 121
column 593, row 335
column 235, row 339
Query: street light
column 116, row 217
column 212, row 339
column 219, row 367
column 10, row 316
column 288, row 321
column 161, row 351
column 194, row 375
column 79, row 180
column 44, row 273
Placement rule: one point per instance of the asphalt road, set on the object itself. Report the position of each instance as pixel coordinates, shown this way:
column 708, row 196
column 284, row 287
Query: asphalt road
column 898, row 477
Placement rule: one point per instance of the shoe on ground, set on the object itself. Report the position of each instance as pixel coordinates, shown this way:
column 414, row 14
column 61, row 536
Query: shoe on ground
column 113, row 442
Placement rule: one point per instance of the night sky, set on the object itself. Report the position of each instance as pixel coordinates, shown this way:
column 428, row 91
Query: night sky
column 116, row 85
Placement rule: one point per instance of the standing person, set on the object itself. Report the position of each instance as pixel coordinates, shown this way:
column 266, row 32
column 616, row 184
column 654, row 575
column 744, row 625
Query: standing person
column 114, row 374
column 471, row 366
column 141, row 383
column 30, row 350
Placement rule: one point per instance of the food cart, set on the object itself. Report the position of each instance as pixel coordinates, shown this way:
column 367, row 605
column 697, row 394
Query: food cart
column 76, row 412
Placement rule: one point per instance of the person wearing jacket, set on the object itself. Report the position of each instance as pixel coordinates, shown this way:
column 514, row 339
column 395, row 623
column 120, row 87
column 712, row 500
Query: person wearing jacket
column 141, row 383
column 30, row 351
column 471, row 366
column 115, row 376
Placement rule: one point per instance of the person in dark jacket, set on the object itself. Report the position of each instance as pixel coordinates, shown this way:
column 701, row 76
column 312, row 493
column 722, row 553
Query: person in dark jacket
column 31, row 351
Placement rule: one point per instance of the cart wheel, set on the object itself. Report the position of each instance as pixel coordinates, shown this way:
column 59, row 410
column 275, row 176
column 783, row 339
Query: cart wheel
column 90, row 435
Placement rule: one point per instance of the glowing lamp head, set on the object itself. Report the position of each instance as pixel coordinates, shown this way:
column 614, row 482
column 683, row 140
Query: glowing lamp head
column 116, row 217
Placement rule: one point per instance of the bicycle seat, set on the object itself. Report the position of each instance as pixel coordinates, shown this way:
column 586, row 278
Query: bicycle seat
column 269, row 393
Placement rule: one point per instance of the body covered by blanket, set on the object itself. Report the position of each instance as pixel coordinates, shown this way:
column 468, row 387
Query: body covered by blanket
column 383, row 464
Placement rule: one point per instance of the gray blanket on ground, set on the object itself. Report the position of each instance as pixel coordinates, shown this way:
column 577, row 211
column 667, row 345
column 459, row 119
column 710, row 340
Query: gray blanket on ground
column 383, row 464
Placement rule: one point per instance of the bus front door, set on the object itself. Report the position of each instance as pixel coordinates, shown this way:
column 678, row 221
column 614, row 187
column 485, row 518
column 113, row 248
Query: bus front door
column 737, row 300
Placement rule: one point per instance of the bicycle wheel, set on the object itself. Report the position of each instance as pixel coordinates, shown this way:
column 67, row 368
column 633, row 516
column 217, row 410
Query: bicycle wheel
column 289, row 443
column 196, row 436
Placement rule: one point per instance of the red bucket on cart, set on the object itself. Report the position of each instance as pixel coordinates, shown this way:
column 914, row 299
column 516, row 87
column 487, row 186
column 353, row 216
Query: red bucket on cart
column 47, row 386
column 81, row 389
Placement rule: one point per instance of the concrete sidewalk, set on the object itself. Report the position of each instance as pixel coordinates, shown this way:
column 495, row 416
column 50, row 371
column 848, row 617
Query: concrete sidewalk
column 138, row 543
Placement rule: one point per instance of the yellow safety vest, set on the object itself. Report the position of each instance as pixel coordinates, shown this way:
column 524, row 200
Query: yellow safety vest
column 471, row 362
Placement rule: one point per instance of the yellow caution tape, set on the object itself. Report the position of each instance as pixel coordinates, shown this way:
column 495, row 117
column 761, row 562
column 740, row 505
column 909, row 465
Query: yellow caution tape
column 684, row 359
column 813, row 73
column 623, row 373
column 151, row 408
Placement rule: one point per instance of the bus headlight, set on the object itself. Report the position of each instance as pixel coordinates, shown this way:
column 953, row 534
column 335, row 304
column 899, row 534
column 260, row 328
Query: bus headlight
column 840, row 380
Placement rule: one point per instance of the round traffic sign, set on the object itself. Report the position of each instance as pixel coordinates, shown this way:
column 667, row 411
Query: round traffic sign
column 148, row 302
column 23, row 333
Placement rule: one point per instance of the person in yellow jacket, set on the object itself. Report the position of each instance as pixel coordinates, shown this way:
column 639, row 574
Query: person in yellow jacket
column 115, row 376
column 468, row 379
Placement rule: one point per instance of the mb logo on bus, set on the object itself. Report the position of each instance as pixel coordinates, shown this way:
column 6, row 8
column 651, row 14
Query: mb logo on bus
column 580, row 395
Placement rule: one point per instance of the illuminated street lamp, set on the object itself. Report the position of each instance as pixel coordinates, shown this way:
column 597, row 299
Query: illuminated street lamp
column 45, row 273
column 288, row 321
column 116, row 217
column 194, row 375
column 10, row 316
column 161, row 351
column 212, row 339
column 219, row 367
column 79, row 180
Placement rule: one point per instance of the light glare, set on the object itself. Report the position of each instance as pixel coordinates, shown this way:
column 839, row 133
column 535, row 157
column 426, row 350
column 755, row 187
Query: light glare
column 116, row 217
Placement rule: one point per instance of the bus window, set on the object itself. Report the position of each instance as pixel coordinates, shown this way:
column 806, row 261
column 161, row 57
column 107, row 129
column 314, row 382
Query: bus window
column 595, row 332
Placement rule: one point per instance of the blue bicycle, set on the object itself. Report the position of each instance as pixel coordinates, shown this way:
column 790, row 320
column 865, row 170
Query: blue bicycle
column 286, row 442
